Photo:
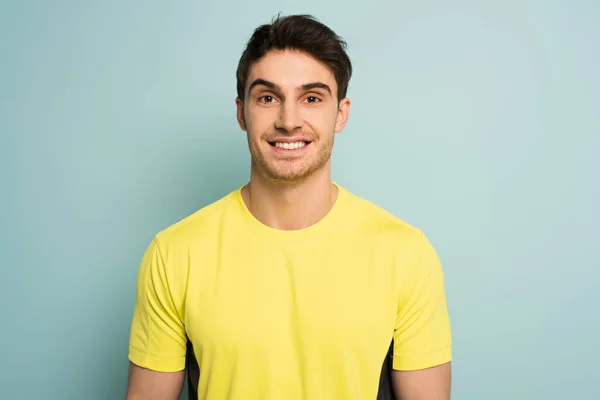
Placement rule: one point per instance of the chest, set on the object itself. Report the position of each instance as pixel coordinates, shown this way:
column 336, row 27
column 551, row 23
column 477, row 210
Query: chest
column 257, row 295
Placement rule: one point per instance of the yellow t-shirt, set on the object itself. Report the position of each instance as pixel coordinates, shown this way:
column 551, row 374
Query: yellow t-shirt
column 304, row 314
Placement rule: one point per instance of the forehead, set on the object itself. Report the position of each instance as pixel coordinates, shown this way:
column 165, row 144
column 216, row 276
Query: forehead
column 291, row 69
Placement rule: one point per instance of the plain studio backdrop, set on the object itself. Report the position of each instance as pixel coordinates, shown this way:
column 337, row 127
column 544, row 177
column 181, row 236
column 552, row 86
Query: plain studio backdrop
column 476, row 121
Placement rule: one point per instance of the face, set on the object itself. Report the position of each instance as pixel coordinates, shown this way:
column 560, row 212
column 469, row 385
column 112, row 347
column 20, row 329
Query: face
column 291, row 115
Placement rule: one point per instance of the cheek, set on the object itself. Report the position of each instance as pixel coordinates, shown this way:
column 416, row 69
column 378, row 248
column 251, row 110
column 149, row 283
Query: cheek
column 322, row 119
column 260, row 120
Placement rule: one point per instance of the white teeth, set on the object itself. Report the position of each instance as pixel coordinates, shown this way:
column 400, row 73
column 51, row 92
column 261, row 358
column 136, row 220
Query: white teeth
column 289, row 146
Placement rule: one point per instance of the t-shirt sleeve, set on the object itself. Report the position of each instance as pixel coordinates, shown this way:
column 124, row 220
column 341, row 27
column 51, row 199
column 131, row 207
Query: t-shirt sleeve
column 157, row 339
column 422, row 336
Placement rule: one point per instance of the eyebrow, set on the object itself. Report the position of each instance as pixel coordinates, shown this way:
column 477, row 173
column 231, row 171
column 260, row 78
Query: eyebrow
column 276, row 88
column 316, row 85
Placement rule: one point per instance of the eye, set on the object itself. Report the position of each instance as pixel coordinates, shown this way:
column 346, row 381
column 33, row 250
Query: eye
column 313, row 99
column 266, row 99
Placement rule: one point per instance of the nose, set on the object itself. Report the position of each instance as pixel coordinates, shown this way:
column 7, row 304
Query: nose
column 289, row 118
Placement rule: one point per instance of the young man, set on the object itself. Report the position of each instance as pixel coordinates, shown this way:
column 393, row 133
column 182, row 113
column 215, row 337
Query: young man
column 291, row 287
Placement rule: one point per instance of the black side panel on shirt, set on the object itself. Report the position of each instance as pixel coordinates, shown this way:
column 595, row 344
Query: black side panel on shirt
column 193, row 371
column 386, row 390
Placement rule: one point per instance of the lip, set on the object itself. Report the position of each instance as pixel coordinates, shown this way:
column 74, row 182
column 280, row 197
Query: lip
column 290, row 152
column 290, row 140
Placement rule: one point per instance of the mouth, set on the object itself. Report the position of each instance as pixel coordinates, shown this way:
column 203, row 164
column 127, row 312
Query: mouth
column 289, row 146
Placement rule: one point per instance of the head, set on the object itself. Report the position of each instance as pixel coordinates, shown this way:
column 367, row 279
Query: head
column 292, row 81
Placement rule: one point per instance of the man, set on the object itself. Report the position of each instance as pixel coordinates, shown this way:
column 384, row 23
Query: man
column 291, row 287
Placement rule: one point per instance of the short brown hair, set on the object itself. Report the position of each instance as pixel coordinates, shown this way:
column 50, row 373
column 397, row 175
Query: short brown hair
column 302, row 33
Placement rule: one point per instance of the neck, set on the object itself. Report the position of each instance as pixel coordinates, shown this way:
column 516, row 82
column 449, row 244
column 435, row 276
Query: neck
column 290, row 206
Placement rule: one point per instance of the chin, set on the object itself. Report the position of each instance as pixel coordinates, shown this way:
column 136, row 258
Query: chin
column 287, row 171
column 288, row 176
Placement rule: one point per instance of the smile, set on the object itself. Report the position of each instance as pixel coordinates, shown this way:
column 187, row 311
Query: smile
column 289, row 145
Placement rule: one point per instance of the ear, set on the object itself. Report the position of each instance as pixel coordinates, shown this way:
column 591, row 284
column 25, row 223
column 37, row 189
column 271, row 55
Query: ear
column 342, row 115
column 240, row 114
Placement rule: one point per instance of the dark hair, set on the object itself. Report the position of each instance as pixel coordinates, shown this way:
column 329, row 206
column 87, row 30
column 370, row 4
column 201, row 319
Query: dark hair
column 302, row 33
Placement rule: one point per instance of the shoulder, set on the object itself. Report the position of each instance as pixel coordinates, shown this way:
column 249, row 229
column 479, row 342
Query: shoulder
column 373, row 217
column 414, row 255
column 389, row 231
column 195, row 227
column 171, row 251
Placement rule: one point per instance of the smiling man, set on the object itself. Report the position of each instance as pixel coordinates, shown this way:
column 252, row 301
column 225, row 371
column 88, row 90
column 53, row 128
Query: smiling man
column 291, row 286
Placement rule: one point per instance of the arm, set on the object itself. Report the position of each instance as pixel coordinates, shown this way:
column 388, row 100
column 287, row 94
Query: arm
column 426, row 384
column 145, row 384
column 157, row 343
column 422, row 339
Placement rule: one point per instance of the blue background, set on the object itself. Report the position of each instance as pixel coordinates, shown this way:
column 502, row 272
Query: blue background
column 476, row 121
